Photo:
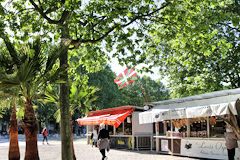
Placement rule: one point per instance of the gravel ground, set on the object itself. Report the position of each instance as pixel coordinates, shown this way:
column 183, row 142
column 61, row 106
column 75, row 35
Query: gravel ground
column 86, row 152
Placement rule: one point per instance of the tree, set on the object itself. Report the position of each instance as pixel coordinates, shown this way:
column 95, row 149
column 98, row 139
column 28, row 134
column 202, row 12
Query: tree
column 9, row 98
column 14, row 153
column 29, row 73
column 199, row 50
column 110, row 96
column 44, row 113
column 154, row 91
column 81, row 98
column 81, row 24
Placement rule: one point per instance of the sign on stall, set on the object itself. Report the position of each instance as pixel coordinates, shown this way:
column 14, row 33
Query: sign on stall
column 215, row 149
column 164, row 145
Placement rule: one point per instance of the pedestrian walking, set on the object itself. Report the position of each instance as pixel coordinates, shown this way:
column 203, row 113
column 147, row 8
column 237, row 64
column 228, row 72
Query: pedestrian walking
column 103, row 141
column 94, row 136
column 44, row 132
column 231, row 142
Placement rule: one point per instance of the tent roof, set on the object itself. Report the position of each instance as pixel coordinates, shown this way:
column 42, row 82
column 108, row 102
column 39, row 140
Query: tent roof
column 112, row 116
column 208, row 104
column 109, row 111
column 205, row 96
column 112, row 110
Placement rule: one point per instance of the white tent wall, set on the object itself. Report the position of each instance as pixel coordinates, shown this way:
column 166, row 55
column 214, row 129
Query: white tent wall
column 153, row 115
column 194, row 112
column 141, row 129
column 142, row 133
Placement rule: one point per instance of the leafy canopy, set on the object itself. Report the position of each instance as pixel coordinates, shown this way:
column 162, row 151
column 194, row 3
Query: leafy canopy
column 199, row 48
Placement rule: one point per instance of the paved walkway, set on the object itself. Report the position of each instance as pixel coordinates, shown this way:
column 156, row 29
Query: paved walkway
column 86, row 152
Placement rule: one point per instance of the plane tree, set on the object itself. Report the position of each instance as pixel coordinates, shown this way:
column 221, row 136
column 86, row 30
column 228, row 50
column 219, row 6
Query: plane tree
column 199, row 51
column 109, row 24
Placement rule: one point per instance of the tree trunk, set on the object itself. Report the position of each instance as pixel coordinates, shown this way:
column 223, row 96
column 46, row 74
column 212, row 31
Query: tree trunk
column 74, row 157
column 13, row 153
column 66, row 135
column 30, row 126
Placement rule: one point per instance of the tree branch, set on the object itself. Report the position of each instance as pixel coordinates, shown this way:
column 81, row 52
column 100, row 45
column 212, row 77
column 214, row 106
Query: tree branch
column 64, row 16
column 40, row 4
column 43, row 14
column 78, row 41
column 229, row 25
column 50, row 10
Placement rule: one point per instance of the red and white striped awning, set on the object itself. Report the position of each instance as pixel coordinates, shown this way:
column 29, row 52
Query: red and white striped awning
column 112, row 116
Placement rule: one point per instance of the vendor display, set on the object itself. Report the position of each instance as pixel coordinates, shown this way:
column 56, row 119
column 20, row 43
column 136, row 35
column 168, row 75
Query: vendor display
column 195, row 125
column 179, row 127
column 123, row 126
column 217, row 127
column 198, row 127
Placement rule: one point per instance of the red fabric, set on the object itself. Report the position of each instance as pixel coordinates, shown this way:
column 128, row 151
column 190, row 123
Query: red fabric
column 95, row 120
column 126, row 77
column 45, row 132
column 113, row 116
column 114, row 110
column 117, row 119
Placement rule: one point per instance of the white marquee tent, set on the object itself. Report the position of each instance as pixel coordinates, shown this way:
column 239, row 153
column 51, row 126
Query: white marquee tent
column 209, row 104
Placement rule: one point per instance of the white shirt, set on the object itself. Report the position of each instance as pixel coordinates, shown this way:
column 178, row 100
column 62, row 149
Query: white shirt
column 95, row 135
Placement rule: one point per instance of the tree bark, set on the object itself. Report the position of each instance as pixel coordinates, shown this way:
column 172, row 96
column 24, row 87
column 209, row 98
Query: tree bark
column 13, row 153
column 74, row 157
column 66, row 135
column 30, row 126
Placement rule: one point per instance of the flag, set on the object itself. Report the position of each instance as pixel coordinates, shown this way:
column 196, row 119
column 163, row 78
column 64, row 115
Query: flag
column 126, row 77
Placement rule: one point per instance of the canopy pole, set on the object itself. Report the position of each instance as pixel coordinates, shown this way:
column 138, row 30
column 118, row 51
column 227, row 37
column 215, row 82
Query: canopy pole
column 171, row 137
column 157, row 138
column 114, row 130
column 208, row 127
column 188, row 128
column 133, row 130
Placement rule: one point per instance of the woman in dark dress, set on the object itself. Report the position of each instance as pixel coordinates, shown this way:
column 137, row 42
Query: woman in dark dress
column 103, row 141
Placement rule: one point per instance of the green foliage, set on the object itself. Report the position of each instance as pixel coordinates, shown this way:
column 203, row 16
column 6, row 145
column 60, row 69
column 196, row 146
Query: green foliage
column 2, row 111
column 90, row 58
column 10, row 97
column 5, row 114
column 81, row 98
column 45, row 112
column 118, row 25
column 198, row 49
column 154, row 91
column 110, row 96
column 32, row 72
column 109, row 25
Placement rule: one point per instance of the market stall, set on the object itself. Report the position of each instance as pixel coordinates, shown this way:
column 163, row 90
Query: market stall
column 193, row 126
column 123, row 125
